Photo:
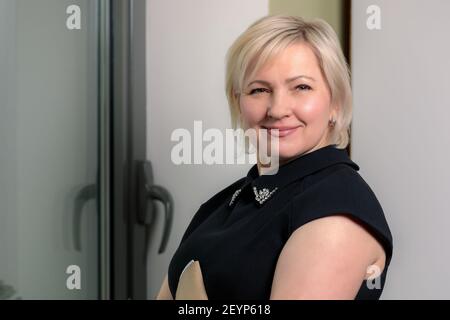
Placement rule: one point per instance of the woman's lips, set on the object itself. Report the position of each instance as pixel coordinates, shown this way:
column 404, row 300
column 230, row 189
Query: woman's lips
column 281, row 132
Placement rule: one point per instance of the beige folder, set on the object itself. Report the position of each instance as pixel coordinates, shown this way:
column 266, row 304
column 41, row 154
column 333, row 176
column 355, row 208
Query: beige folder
column 190, row 285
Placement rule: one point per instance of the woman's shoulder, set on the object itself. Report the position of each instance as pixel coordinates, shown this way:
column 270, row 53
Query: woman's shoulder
column 341, row 190
column 336, row 189
column 337, row 181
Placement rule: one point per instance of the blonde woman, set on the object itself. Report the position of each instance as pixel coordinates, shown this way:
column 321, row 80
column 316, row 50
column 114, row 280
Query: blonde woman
column 313, row 230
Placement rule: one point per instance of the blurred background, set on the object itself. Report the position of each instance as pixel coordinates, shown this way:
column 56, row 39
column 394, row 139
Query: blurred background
column 92, row 90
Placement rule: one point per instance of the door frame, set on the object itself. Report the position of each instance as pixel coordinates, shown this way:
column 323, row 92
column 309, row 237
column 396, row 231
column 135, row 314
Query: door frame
column 128, row 119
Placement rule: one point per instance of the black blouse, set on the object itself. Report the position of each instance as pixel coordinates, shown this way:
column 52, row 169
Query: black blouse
column 238, row 234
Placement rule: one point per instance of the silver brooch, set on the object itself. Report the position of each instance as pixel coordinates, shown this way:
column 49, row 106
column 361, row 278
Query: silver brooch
column 235, row 194
column 262, row 195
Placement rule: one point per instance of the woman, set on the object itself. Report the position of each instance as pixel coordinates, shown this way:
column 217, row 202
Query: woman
column 313, row 230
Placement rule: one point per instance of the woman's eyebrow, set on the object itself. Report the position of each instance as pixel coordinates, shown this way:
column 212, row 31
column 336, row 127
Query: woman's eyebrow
column 286, row 81
column 300, row 76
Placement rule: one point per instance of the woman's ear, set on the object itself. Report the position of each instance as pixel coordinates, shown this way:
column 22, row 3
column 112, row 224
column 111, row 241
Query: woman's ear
column 335, row 109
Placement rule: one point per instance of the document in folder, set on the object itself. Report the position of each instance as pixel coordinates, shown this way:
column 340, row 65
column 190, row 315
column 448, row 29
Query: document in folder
column 190, row 285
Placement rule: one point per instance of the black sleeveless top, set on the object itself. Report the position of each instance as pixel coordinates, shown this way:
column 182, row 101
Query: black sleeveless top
column 238, row 234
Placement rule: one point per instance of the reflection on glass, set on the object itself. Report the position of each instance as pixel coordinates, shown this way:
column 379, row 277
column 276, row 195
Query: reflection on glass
column 48, row 143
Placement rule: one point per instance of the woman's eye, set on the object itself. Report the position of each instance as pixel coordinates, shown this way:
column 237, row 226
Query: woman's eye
column 258, row 90
column 303, row 87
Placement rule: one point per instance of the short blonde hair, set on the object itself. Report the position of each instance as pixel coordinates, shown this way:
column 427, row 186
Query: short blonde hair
column 270, row 35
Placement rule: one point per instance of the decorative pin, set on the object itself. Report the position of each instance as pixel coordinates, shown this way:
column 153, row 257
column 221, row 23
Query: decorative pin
column 262, row 195
column 235, row 194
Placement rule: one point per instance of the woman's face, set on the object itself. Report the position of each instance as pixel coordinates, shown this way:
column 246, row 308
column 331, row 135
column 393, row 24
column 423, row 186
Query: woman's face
column 289, row 93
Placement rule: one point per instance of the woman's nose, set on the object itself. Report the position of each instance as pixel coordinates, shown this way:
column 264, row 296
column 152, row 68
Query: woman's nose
column 279, row 106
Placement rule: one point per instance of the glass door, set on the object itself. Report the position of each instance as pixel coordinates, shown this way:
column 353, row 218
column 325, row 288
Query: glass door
column 54, row 227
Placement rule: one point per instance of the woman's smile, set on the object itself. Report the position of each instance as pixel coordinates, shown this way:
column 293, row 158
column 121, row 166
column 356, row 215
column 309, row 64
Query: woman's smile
column 281, row 132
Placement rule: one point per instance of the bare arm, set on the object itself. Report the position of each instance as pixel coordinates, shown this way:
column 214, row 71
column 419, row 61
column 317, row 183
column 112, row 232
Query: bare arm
column 164, row 292
column 326, row 259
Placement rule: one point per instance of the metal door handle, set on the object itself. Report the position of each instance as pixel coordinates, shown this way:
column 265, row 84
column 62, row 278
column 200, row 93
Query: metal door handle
column 146, row 209
column 84, row 195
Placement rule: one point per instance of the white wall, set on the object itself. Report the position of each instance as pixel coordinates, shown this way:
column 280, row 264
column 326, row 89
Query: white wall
column 401, row 136
column 187, row 42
